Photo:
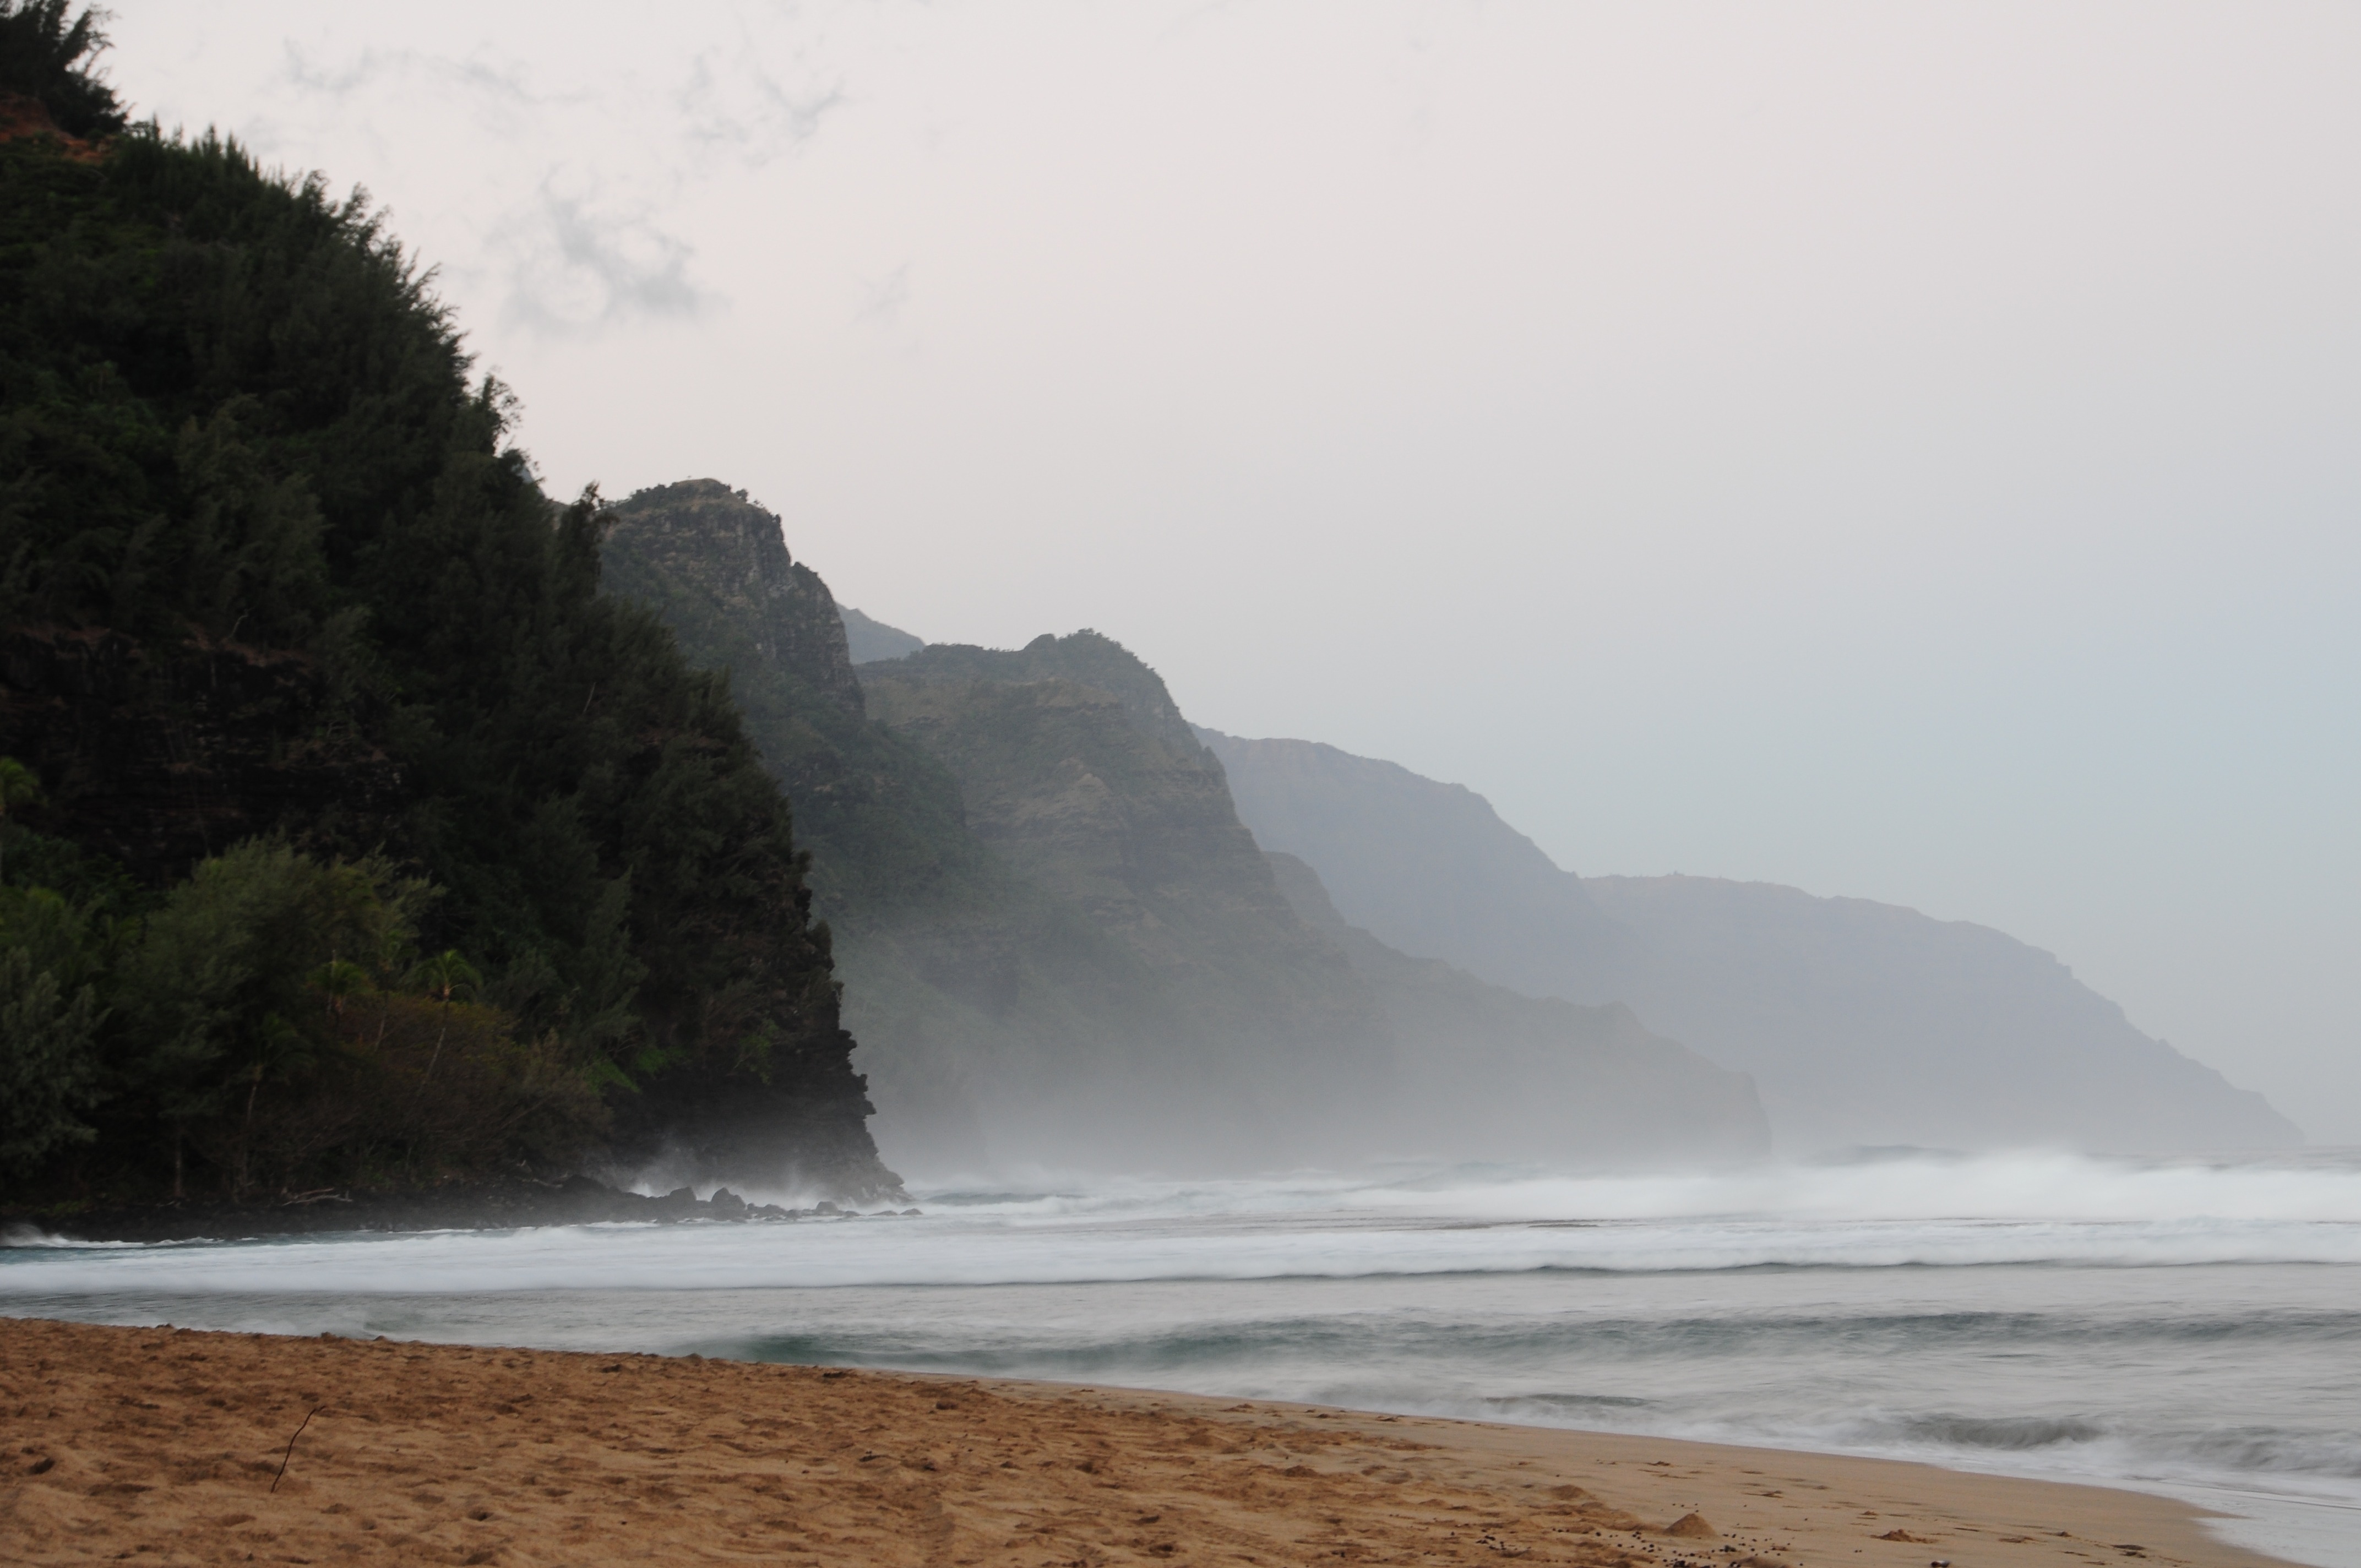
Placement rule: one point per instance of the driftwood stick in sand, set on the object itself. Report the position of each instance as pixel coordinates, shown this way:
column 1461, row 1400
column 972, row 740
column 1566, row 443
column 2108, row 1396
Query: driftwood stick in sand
column 290, row 1444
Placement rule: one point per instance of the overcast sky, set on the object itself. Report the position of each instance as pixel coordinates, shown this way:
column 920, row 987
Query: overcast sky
column 1900, row 451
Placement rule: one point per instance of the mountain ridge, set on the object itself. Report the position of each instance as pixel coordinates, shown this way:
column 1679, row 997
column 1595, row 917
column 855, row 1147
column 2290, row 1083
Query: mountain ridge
column 1100, row 967
column 1862, row 1022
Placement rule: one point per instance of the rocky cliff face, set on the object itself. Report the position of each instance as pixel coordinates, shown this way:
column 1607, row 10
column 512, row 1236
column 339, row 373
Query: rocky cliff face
column 1230, row 1020
column 881, row 819
column 1862, row 1023
column 963, row 978
column 1452, row 881
column 708, row 539
column 1077, row 767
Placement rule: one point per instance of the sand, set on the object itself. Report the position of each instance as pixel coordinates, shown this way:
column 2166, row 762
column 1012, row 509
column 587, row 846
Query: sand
column 167, row 1446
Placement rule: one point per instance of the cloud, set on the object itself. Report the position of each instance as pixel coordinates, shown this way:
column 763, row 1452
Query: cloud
column 730, row 102
column 575, row 266
column 497, row 95
column 578, row 241
column 886, row 297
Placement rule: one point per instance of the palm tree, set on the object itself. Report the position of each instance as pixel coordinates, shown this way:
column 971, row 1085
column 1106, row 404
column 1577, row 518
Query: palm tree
column 441, row 977
column 338, row 979
column 19, row 786
column 444, row 975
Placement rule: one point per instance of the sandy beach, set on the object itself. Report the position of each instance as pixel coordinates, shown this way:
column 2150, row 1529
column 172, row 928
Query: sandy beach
column 167, row 1445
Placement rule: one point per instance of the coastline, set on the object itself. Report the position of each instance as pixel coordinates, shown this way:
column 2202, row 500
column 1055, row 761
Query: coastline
column 166, row 1442
column 499, row 1204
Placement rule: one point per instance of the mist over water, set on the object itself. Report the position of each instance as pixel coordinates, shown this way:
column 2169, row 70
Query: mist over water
column 2188, row 1326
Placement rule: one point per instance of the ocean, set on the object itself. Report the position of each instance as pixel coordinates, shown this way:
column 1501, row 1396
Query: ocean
column 2189, row 1327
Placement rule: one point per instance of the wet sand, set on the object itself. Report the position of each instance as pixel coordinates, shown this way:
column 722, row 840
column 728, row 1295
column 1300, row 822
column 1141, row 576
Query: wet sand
column 167, row 1446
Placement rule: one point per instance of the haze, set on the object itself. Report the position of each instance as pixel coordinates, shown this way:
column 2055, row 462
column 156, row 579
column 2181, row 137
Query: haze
column 1906, row 453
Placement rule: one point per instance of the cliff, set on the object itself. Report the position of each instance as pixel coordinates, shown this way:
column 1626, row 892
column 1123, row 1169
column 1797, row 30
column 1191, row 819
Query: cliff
column 1060, row 946
column 1869, row 1024
column 1078, row 767
column 1861, row 1023
column 1236, row 1036
column 958, row 970
column 882, row 820
column 703, row 538
column 1452, row 881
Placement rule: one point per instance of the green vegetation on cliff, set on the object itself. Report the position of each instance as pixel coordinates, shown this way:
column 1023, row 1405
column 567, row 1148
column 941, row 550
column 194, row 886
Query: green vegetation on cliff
column 269, row 570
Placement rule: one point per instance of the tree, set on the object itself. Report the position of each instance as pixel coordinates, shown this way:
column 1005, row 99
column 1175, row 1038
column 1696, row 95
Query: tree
column 442, row 977
column 18, row 787
column 44, row 56
column 49, row 1019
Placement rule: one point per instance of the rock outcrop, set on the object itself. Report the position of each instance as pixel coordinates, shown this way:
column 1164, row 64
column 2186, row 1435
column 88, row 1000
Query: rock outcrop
column 705, row 538
column 1076, row 767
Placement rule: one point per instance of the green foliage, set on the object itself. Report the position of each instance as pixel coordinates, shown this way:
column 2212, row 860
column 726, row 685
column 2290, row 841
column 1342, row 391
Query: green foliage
column 234, row 957
column 19, row 786
column 270, row 1012
column 446, row 977
column 32, row 860
column 231, row 411
column 49, row 1016
column 44, row 56
column 221, row 391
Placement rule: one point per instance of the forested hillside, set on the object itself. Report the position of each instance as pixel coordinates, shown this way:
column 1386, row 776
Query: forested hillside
column 352, row 834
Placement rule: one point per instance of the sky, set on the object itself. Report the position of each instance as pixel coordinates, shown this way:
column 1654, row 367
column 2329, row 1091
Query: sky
column 1902, row 452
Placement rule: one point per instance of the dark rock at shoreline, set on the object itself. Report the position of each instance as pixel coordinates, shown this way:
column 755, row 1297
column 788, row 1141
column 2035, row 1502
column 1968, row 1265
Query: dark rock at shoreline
column 507, row 1204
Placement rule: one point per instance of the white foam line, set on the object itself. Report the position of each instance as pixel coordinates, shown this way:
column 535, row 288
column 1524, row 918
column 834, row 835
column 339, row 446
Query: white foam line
column 985, row 1252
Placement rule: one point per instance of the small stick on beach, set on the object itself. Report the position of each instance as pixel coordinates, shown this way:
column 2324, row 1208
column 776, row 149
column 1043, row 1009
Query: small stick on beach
column 290, row 1444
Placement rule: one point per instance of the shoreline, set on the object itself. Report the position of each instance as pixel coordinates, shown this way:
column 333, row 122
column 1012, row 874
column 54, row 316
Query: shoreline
column 499, row 1203
column 165, row 1442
